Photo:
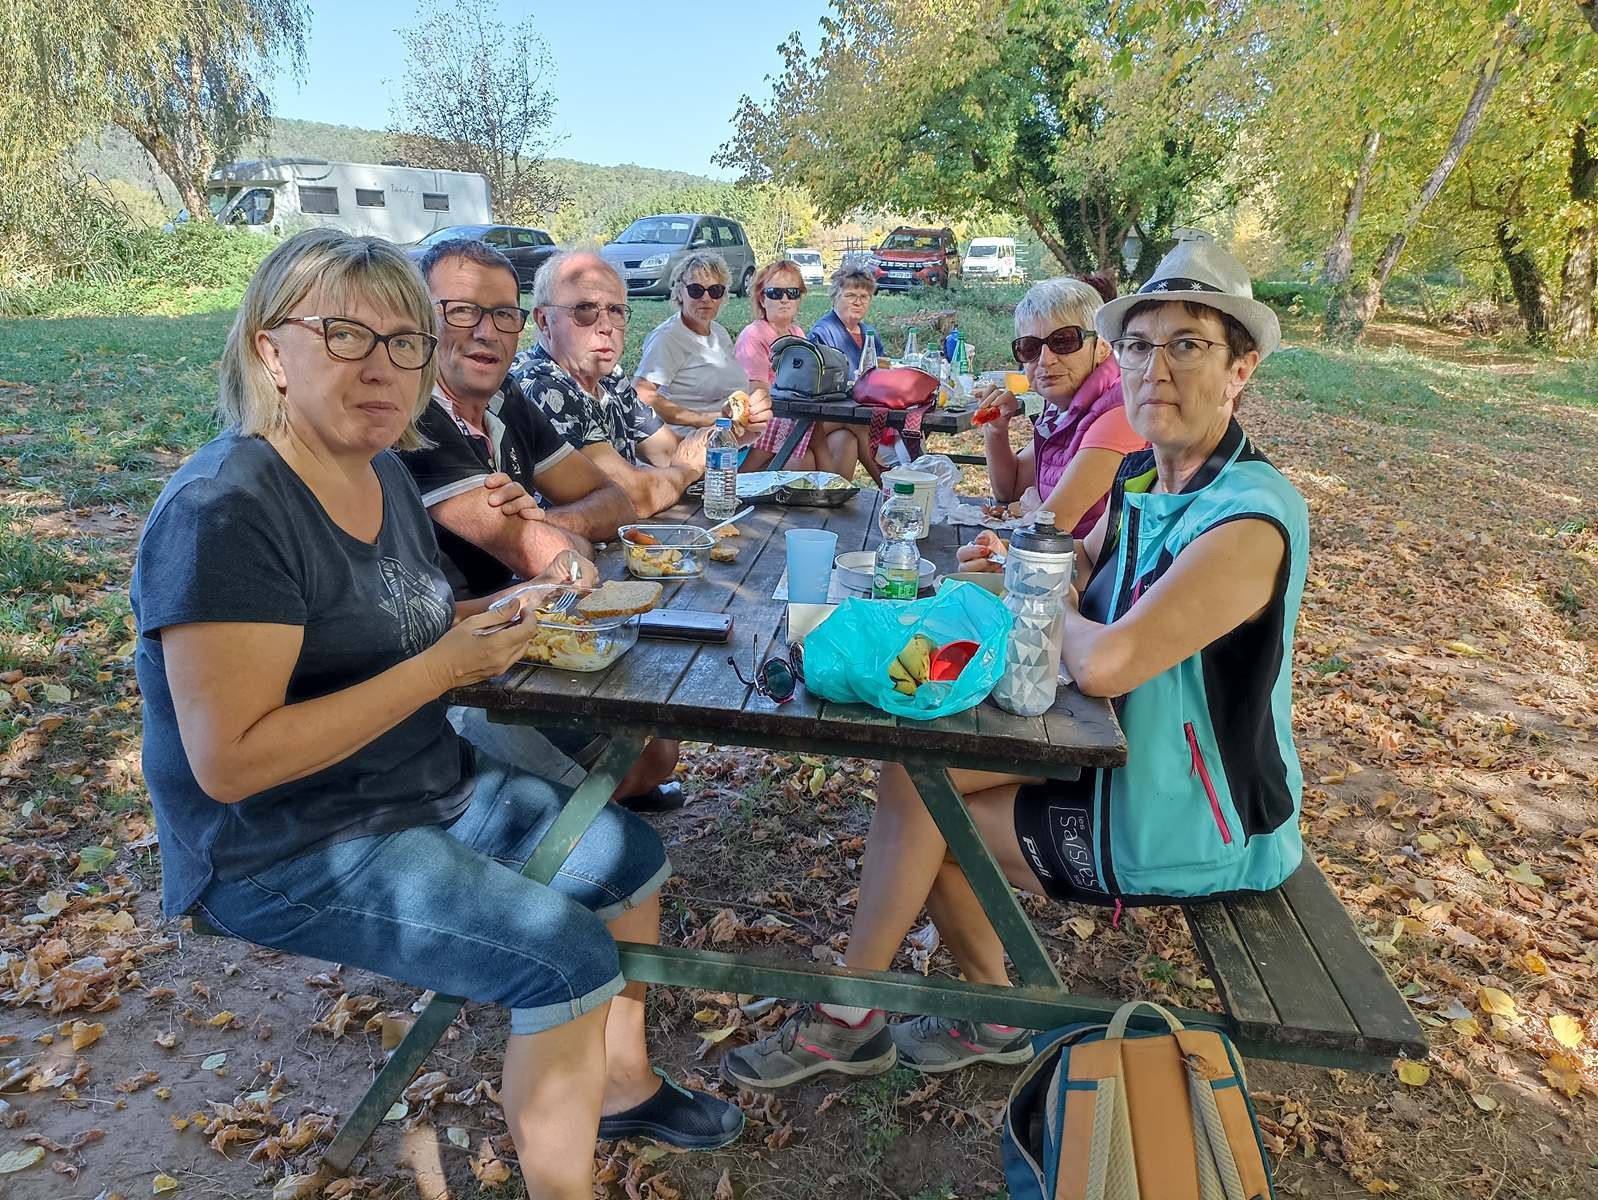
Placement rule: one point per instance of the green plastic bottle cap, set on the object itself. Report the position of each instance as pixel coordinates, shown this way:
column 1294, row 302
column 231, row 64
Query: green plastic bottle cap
column 901, row 488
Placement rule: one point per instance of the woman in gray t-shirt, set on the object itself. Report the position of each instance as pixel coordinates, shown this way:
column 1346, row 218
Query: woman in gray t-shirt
column 689, row 364
column 297, row 634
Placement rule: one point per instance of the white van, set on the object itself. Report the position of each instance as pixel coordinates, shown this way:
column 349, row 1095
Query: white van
column 809, row 263
column 989, row 260
column 402, row 204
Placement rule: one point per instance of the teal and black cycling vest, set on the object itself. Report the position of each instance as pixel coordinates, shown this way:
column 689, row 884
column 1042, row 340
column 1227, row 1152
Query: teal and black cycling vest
column 1209, row 799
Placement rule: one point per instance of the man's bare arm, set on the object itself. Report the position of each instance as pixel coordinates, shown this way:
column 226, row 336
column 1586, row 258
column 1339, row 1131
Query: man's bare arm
column 585, row 500
column 526, row 547
column 650, row 488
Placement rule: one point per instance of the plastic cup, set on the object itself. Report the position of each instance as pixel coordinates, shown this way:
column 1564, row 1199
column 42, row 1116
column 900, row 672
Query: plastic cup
column 810, row 555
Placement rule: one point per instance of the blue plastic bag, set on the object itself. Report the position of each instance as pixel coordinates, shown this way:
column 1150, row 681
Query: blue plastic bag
column 846, row 657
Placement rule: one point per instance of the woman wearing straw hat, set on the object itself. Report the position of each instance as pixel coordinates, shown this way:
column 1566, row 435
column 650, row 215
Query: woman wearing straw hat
column 1191, row 584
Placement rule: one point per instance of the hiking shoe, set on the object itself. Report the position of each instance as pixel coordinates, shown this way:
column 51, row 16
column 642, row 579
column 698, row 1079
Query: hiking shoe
column 679, row 1117
column 935, row 1044
column 808, row 1043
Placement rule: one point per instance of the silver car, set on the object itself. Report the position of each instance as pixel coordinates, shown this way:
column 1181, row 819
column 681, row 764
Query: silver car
column 648, row 250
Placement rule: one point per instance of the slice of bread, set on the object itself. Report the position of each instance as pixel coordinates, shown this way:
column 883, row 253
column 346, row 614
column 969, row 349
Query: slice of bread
column 620, row 598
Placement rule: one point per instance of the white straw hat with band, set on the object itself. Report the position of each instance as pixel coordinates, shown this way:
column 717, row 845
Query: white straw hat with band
column 1203, row 273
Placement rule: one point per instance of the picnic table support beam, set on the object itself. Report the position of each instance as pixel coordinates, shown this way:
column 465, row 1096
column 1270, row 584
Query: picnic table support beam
column 947, row 807
column 551, row 852
column 789, row 444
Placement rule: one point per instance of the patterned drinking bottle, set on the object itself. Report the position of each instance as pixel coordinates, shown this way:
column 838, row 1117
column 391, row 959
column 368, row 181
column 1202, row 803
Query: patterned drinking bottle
column 1037, row 577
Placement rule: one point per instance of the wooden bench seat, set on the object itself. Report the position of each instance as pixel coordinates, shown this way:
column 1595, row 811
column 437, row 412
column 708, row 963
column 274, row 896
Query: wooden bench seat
column 1299, row 982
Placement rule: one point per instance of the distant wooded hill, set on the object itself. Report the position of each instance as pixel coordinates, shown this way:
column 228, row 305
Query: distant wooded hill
column 593, row 189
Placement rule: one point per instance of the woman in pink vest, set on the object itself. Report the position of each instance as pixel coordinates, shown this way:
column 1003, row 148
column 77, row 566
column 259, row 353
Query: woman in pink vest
column 1080, row 438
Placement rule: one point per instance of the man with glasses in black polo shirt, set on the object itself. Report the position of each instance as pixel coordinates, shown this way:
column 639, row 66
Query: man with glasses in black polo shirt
column 478, row 424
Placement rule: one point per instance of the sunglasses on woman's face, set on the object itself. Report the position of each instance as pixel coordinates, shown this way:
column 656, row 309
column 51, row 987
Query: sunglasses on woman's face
column 699, row 291
column 776, row 678
column 782, row 293
column 1067, row 339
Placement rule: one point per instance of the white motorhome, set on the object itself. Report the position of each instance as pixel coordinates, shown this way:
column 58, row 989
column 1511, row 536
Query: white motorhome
column 402, row 204
column 990, row 258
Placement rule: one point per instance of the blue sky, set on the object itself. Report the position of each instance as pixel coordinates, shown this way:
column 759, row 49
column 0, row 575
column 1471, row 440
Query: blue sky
column 615, row 61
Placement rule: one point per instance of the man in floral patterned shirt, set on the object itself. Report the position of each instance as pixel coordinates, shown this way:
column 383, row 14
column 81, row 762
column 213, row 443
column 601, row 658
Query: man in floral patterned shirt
column 574, row 376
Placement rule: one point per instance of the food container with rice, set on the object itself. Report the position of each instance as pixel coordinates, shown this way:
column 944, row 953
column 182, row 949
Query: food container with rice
column 597, row 631
column 666, row 551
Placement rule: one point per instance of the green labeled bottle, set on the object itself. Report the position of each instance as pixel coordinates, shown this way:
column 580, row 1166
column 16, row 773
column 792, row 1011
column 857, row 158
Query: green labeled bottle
column 898, row 568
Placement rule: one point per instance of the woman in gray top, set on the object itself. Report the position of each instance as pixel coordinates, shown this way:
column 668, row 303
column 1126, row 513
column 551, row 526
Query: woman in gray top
column 297, row 634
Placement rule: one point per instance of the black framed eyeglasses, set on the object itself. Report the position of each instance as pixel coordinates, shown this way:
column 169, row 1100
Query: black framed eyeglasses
column 1183, row 353
column 1067, row 339
column 464, row 314
column 408, row 349
column 699, row 290
column 782, row 293
column 586, row 313
column 777, row 677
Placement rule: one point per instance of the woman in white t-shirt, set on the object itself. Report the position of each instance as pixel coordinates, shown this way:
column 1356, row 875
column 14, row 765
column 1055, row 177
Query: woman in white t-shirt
column 689, row 366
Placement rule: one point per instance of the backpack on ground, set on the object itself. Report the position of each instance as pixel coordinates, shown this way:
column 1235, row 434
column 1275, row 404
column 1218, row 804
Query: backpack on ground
column 1108, row 1113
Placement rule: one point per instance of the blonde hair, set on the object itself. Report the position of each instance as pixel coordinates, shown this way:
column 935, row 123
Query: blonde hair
column 342, row 270
column 707, row 261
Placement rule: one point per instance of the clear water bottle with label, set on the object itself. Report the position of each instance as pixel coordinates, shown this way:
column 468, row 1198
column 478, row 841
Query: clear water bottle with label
column 721, row 471
column 898, row 568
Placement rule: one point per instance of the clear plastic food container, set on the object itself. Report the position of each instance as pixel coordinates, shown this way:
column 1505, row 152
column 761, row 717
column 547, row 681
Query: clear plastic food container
column 666, row 551
column 575, row 643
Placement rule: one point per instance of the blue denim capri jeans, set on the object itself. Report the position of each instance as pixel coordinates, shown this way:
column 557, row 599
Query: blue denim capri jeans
column 447, row 908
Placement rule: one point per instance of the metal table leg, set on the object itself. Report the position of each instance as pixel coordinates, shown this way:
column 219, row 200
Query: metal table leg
column 552, row 850
column 790, row 444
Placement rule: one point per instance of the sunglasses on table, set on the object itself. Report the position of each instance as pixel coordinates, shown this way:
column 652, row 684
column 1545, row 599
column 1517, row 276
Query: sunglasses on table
column 464, row 314
column 1067, row 339
column 782, row 293
column 699, row 290
column 348, row 339
column 777, row 677
column 586, row 313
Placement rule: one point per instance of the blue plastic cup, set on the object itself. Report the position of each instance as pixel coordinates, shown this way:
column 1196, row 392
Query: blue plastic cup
column 810, row 555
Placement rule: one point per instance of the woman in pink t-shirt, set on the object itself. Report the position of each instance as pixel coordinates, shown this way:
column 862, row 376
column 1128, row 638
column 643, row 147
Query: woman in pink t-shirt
column 1082, row 434
column 776, row 293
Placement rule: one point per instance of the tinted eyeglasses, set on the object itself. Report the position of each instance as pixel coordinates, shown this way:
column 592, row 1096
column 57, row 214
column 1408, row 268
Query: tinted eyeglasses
column 777, row 677
column 409, row 349
column 1067, row 339
column 586, row 313
column 698, row 290
column 463, row 314
column 782, row 293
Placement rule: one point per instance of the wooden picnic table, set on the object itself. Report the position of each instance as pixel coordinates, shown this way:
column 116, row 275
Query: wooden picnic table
column 1295, row 978
column 804, row 413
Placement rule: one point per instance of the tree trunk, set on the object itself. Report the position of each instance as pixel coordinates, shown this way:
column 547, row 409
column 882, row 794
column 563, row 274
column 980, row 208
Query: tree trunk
column 1340, row 258
column 1576, row 320
column 1589, row 9
column 191, row 189
column 1048, row 238
column 1366, row 298
column 1525, row 280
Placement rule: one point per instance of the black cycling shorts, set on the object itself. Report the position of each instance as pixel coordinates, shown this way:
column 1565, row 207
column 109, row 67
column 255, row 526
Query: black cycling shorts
column 1055, row 827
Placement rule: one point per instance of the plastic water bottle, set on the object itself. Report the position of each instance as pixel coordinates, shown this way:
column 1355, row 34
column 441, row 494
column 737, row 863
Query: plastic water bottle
column 898, row 569
column 721, row 472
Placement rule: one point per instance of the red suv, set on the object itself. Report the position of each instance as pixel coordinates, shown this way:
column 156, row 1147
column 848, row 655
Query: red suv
column 911, row 257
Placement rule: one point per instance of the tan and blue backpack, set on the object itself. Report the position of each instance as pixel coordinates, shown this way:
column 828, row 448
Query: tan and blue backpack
column 1110, row 1113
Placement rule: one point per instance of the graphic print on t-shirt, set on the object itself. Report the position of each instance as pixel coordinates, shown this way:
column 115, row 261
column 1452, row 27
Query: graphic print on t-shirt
column 415, row 605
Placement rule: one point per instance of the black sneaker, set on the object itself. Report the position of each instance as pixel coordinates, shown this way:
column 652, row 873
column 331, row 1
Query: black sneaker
column 679, row 1117
column 663, row 798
